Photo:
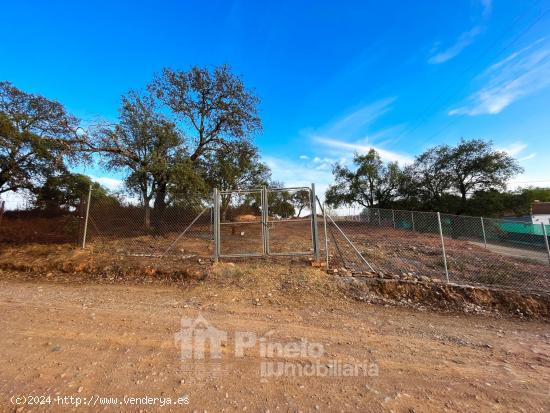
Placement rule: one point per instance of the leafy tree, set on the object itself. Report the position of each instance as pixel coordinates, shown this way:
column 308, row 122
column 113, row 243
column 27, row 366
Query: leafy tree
column 428, row 179
column 66, row 191
column 473, row 165
column 301, row 199
column 372, row 182
column 145, row 144
column 37, row 135
column 214, row 105
column 235, row 166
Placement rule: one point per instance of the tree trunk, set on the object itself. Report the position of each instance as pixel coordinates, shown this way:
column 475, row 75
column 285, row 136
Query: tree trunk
column 159, row 205
column 147, row 217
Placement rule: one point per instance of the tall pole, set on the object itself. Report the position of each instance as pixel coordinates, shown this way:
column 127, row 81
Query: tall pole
column 324, row 207
column 85, row 233
column 216, row 206
column 483, row 229
column 443, row 246
column 314, row 223
column 545, row 240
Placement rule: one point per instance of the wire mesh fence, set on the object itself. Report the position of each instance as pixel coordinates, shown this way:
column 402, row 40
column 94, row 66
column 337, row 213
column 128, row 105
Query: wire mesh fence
column 136, row 230
column 407, row 245
column 22, row 223
column 449, row 248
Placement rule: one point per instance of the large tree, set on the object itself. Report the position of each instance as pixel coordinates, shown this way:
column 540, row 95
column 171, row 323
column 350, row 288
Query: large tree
column 37, row 136
column 473, row 165
column 66, row 191
column 234, row 166
column 371, row 183
column 146, row 145
column 214, row 105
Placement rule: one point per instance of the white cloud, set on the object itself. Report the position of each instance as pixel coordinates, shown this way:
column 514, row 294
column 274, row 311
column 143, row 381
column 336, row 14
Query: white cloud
column 463, row 41
column 514, row 149
column 465, row 38
column 487, row 7
column 526, row 158
column 305, row 157
column 523, row 73
column 352, row 133
column 358, row 121
column 295, row 173
column 112, row 184
column 346, row 147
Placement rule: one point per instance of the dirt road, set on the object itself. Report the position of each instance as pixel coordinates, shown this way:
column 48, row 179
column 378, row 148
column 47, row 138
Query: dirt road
column 106, row 341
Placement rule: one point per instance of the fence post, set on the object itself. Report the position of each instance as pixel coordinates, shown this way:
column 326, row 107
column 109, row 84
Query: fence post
column 483, row 229
column 393, row 217
column 2, row 208
column 326, row 235
column 314, row 228
column 216, row 206
column 545, row 240
column 85, row 233
column 443, row 246
column 379, row 217
column 412, row 220
column 265, row 220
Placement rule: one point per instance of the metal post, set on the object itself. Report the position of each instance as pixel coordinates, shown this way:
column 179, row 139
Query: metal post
column 443, row 246
column 85, row 233
column 314, row 223
column 326, row 235
column 393, row 217
column 545, row 240
column 265, row 219
column 412, row 220
column 216, row 207
column 379, row 217
column 483, row 229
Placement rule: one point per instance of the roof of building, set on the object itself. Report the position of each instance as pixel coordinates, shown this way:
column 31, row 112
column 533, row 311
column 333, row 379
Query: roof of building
column 540, row 208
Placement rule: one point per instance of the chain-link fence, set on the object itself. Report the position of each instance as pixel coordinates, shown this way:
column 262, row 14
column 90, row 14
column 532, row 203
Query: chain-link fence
column 23, row 223
column 451, row 248
column 170, row 231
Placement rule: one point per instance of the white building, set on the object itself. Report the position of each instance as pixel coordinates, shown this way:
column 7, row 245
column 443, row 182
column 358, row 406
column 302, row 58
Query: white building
column 540, row 213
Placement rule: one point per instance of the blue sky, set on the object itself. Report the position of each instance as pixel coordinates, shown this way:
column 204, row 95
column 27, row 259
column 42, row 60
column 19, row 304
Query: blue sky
column 333, row 77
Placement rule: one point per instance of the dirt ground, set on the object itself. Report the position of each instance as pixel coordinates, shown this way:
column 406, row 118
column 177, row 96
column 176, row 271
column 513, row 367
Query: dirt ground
column 64, row 335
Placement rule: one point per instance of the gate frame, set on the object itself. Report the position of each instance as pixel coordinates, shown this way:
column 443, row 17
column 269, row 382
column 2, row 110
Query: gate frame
column 264, row 199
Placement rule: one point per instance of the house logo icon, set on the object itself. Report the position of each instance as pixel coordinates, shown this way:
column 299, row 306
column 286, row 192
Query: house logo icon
column 193, row 336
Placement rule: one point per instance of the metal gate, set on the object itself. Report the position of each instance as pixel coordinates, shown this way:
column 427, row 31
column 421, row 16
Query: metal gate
column 265, row 222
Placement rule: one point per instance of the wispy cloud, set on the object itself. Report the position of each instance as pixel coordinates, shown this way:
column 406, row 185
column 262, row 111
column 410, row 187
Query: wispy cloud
column 526, row 158
column 514, row 148
column 487, row 7
column 299, row 172
column 522, row 73
column 362, row 148
column 359, row 120
column 463, row 41
column 112, row 184
column 355, row 132
column 517, row 148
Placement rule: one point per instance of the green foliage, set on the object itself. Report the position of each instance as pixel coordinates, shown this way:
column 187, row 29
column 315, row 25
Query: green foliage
column 37, row 136
column 66, row 191
column 467, row 178
column 215, row 106
column 372, row 182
